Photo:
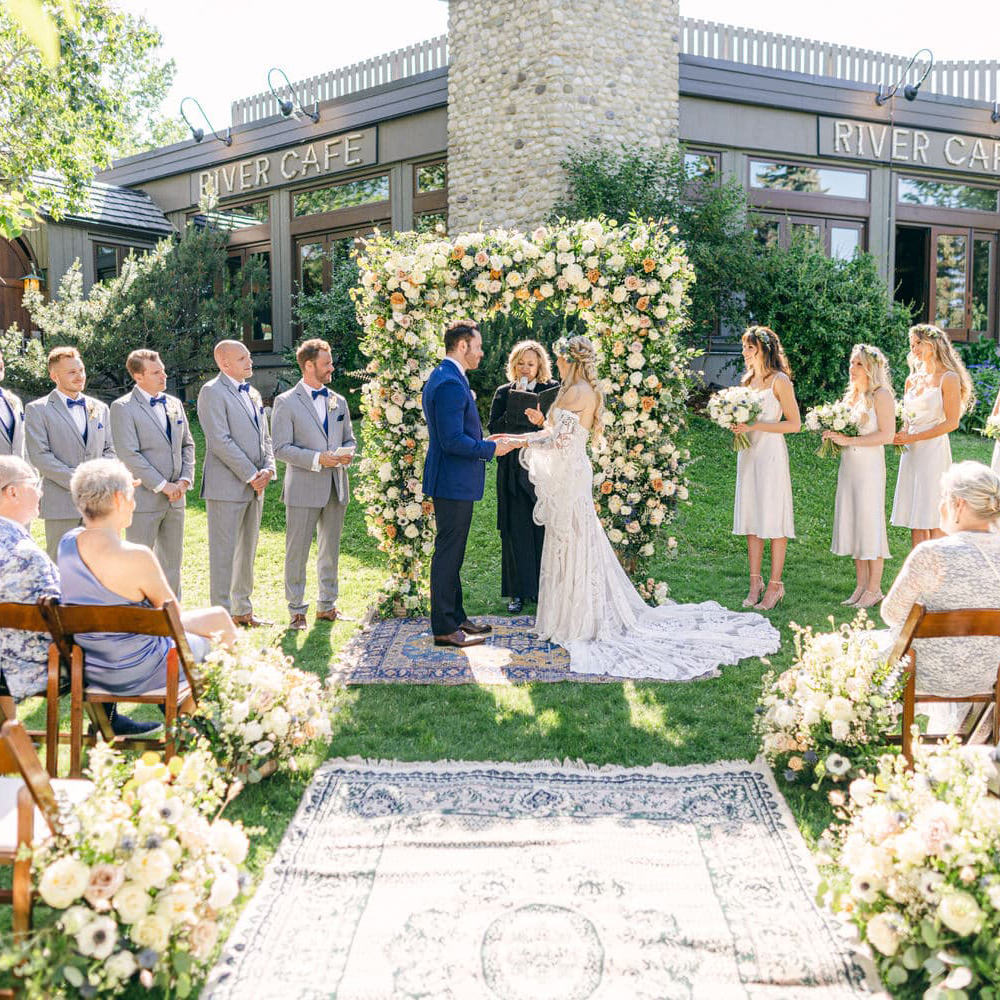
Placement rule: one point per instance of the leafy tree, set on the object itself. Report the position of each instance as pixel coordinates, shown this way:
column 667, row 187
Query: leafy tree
column 70, row 116
column 820, row 308
column 179, row 300
column 710, row 216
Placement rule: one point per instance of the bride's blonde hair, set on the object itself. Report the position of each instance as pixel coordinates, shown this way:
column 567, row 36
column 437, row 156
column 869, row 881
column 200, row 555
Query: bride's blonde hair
column 581, row 356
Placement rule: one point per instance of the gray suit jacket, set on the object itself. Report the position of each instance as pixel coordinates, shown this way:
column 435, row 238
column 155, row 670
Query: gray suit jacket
column 298, row 436
column 142, row 444
column 15, row 446
column 56, row 447
column 236, row 447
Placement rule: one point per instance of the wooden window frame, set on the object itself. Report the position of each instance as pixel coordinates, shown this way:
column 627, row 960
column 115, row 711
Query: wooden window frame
column 799, row 202
column 243, row 252
column 350, row 217
column 713, row 154
column 786, row 220
column 936, row 215
column 121, row 253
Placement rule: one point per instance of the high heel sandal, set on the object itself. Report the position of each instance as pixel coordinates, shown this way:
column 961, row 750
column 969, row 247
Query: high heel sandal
column 869, row 599
column 756, row 589
column 768, row 604
column 852, row 601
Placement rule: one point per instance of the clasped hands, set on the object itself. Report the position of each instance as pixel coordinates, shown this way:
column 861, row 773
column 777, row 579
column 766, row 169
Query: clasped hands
column 174, row 491
column 330, row 459
column 506, row 443
column 260, row 481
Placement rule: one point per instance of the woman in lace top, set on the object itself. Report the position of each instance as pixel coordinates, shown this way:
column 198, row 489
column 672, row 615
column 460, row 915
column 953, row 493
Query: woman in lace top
column 961, row 570
column 938, row 391
column 859, row 509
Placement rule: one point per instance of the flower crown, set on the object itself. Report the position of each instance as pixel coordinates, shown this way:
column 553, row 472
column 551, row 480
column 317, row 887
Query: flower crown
column 871, row 352
column 579, row 354
column 763, row 336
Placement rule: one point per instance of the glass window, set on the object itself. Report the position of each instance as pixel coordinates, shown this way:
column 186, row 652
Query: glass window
column 233, row 217
column 432, row 177
column 811, row 231
column 106, row 258
column 949, row 310
column 941, row 194
column 428, row 222
column 337, row 196
column 262, row 330
column 845, row 242
column 768, row 231
column 701, row 166
column 981, row 253
column 808, row 179
column 311, row 268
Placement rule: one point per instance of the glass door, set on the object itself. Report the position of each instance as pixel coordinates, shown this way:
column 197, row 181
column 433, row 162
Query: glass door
column 963, row 287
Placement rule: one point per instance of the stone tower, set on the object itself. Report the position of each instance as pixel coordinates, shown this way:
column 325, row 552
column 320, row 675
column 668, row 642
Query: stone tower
column 531, row 79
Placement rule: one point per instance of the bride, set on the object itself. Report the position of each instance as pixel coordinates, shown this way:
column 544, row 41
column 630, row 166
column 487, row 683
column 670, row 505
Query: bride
column 586, row 602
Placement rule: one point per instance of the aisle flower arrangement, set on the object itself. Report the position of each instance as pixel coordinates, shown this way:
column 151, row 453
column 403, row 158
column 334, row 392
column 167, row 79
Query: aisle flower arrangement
column 918, row 871
column 143, row 880
column 257, row 712
column 739, row 404
column 628, row 283
column 827, row 715
column 836, row 416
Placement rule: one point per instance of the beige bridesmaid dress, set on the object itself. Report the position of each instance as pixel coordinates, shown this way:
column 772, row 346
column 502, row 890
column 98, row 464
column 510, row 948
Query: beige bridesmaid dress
column 763, row 481
column 859, row 509
column 918, row 485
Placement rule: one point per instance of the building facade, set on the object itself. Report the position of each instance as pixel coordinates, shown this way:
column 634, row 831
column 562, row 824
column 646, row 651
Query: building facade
column 914, row 182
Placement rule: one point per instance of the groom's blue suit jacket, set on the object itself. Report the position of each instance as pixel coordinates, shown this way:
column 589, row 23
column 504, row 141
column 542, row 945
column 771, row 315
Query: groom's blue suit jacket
column 456, row 452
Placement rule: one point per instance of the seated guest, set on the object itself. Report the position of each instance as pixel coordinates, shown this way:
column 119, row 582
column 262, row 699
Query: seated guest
column 98, row 567
column 26, row 574
column 961, row 570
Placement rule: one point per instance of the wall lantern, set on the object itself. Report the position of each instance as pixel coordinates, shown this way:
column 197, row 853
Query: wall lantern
column 995, row 113
column 32, row 281
column 290, row 108
column 910, row 90
column 199, row 133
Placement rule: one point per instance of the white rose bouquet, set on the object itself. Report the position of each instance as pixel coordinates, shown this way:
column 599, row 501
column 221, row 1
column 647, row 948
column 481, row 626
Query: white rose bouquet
column 257, row 711
column 918, row 870
column 739, row 404
column 992, row 428
column 140, row 884
column 836, row 416
column 830, row 710
column 904, row 417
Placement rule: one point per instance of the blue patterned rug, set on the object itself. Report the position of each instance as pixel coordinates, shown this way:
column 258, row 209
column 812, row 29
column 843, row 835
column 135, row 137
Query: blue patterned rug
column 538, row 882
column 402, row 650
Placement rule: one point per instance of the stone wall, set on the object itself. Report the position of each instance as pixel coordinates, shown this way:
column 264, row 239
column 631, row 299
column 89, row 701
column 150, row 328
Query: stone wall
column 530, row 79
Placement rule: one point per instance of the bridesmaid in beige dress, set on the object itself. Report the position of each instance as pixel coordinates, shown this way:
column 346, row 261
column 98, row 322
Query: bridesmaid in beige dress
column 995, row 463
column 763, row 508
column 938, row 391
column 859, row 510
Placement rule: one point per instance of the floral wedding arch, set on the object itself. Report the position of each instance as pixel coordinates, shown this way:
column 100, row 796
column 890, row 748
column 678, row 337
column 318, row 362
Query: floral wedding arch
column 629, row 285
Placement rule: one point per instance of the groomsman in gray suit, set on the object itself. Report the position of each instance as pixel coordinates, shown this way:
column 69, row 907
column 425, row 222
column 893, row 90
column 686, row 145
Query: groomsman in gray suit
column 239, row 463
column 11, row 421
column 313, row 436
column 62, row 430
column 152, row 437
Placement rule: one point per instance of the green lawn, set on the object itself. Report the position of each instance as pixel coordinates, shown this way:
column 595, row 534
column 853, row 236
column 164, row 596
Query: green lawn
column 627, row 723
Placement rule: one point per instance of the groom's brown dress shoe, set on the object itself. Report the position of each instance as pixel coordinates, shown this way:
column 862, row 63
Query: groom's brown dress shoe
column 249, row 621
column 459, row 639
column 473, row 629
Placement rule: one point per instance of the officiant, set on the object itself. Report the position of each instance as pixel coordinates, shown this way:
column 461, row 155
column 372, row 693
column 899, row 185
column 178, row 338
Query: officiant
column 530, row 374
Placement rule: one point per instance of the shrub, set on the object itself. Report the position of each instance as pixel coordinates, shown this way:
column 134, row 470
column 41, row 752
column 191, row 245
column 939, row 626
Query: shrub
column 820, row 308
column 984, row 366
column 179, row 300
column 710, row 218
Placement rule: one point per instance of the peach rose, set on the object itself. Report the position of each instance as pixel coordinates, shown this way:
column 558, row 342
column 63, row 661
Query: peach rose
column 648, row 265
column 643, row 303
column 606, row 487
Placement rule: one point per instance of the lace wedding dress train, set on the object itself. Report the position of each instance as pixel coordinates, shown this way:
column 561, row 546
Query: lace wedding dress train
column 586, row 602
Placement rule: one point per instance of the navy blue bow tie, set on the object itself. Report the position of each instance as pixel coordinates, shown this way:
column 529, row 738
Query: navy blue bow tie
column 245, row 387
column 154, row 400
column 320, row 392
column 76, row 402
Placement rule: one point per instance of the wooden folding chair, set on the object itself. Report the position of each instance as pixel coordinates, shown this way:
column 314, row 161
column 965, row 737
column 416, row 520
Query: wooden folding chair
column 40, row 617
column 924, row 624
column 75, row 619
column 29, row 813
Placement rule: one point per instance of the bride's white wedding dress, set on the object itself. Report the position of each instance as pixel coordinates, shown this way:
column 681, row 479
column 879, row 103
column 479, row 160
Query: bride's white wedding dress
column 586, row 602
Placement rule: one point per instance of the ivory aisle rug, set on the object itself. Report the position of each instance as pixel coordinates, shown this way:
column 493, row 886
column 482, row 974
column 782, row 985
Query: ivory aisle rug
column 538, row 882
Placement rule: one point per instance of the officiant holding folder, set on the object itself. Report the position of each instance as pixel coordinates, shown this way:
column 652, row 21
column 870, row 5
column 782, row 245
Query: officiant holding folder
column 530, row 387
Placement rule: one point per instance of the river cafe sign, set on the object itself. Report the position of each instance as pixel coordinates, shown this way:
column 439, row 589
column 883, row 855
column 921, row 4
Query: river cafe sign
column 285, row 166
column 912, row 146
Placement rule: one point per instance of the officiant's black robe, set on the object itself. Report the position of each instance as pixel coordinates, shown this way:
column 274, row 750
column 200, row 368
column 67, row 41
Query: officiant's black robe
column 521, row 539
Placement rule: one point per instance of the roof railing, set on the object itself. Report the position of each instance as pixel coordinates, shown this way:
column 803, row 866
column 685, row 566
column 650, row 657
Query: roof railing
column 972, row 80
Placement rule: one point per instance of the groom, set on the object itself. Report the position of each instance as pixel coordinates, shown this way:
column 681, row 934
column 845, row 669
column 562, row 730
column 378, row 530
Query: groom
column 454, row 476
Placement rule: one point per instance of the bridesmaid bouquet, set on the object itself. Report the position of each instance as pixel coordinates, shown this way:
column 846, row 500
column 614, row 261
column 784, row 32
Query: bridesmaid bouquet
column 730, row 407
column 992, row 428
column 835, row 416
column 903, row 418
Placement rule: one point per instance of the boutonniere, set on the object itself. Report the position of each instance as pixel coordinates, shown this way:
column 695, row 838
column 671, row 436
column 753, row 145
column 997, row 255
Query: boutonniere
column 331, row 403
column 92, row 412
column 472, row 393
